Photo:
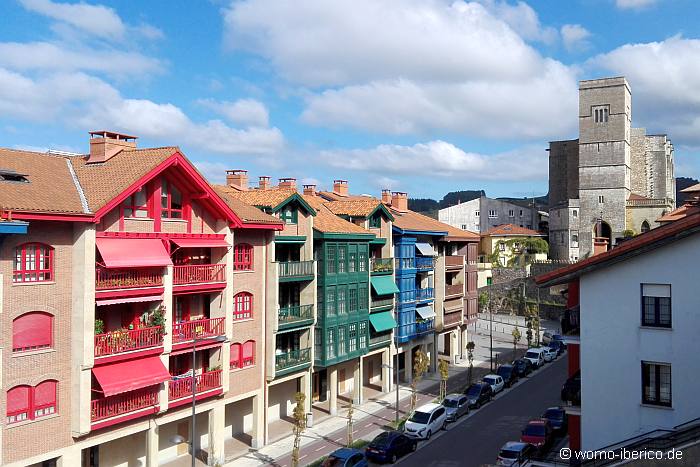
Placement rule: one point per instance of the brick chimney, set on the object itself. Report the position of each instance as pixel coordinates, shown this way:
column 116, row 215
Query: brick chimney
column 386, row 196
column 310, row 190
column 106, row 144
column 399, row 201
column 288, row 182
column 264, row 182
column 600, row 243
column 237, row 179
column 340, row 187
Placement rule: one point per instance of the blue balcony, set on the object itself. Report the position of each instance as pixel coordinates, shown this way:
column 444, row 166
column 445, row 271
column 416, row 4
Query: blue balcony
column 425, row 294
column 404, row 263
column 425, row 327
column 425, row 262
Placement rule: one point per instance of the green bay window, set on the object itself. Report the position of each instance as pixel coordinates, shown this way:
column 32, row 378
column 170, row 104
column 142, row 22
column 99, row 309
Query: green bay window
column 375, row 222
column 342, row 304
column 330, row 260
column 363, row 334
column 352, row 299
column 289, row 215
column 342, row 257
column 352, row 337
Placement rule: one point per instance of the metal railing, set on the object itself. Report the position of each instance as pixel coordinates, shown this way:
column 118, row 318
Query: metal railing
column 182, row 387
column 124, row 403
column 199, row 273
column 198, row 329
column 106, row 279
column 291, row 314
column 291, row 359
column 289, row 269
column 126, row 340
column 382, row 265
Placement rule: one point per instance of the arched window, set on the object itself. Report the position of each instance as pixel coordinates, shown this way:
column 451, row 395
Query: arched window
column 645, row 227
column 243, row 257
column 32, row 331
column 242, row 306
column 28, row 403
column 235, row 355
column 33, row 263
column 248, row 358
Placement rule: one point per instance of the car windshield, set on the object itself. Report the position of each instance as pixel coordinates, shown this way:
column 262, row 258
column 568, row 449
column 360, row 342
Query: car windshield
column 554, row 414
column 534, row 430
column 419, row 417
column 381, row 440
column 508, row 454
column 450, row 403
column 474, row 391
column 489, row 380
column 504, row 370
column 532, row 354
column 332, row 461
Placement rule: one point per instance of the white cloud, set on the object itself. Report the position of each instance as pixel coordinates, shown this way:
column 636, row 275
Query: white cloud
column 248, row 112
column 523, row 19
column 665, row 81
column 413, row 66
column 575, row 37
column 442, row 159
column 634, row 4
column 97, row 20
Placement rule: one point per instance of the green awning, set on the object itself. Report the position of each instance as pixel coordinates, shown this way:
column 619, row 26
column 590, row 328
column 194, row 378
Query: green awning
column 384, row 285
column 382, row 321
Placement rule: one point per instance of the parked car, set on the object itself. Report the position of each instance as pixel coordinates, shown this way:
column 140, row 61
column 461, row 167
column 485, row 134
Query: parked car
column 495, row 381
column 571, row 390
column 345, row 457
column 557, row 419
column 388, row 446
column 536, row 357
column 523, row 367
column 559, row 346
column 547, row 337
column 549, row 354
column 426, row 420
column 478, row 394
column 508, row 373
column 538, row 433
column 515, row 453
column 456, row 405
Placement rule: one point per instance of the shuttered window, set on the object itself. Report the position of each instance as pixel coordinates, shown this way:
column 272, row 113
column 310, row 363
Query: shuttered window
column 32, row 331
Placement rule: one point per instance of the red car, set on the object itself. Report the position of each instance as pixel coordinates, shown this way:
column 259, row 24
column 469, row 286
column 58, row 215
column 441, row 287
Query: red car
column 538, row 433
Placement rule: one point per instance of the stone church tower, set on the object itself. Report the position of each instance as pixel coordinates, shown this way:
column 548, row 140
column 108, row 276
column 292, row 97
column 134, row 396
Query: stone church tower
column 613, row 173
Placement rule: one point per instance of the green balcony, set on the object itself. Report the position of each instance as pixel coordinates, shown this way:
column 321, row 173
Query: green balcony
column 292, row 361
column 296, row 271
column 380, row 303
column 382, row 265
column 295, row 316
column 379, row 340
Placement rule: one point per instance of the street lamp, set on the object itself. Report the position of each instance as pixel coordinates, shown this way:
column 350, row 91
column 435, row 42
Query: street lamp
column 396, row 372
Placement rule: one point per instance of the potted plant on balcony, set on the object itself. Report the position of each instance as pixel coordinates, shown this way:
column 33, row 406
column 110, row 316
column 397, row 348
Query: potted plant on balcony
column 99, row 326
column 157, row 318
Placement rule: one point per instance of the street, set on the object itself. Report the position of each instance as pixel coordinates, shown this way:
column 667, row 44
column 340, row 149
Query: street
column 477, row 439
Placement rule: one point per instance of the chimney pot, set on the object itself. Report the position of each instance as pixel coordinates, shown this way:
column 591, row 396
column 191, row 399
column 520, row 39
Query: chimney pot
column 237, row 179
column 340, row 187
column 386, row 196
column 264, row 182
column 310, row 190
column 106, row 144
column 399, row 201
column 288, row 182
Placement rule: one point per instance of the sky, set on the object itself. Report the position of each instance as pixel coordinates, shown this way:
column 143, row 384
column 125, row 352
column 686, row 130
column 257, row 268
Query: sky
column 422, row 96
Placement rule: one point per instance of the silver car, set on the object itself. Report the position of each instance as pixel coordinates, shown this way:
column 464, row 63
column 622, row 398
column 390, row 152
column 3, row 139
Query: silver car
column 455, row 405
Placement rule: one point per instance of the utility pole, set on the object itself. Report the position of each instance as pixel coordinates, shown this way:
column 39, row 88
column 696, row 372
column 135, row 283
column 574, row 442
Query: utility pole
column 490, row 331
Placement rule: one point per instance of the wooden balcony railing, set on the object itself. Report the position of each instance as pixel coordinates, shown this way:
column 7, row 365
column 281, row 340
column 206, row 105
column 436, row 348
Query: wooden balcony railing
column 382, row 265
column 291, row 359
column 454, row 261
column 182, row 387
column 126, row 340
column 292, row 314
column 454, row 289
column 291, row 269
column 454, row 317
column 381, row 302
column 106, row 279
column 125, row 403
column 199, row 273
column 198, row 329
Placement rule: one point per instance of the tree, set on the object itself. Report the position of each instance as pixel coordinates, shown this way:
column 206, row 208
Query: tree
column 350, row 422
column 444, row 369
column 516, row 339
column 470, row 358
column 420, row 366
column 528, row 333
column 299, row 416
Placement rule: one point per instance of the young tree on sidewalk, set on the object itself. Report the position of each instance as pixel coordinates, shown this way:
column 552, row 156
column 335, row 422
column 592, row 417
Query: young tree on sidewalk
column 516, row 340
column 470, row 357
column 350, row 422
column 420, row 366
column 444, row 369
column 299, row 426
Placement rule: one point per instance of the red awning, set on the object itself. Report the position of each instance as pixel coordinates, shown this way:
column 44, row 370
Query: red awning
column 133, row 252
column 201, row 242
column 130, row 375
column 114, row 301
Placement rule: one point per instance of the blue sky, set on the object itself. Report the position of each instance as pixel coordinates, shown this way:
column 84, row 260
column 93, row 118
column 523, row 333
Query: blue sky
column 425, row 96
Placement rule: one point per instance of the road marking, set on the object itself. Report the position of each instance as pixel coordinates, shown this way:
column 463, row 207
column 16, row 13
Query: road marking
column 320, row 449
column 369, row 425
column 305, row 455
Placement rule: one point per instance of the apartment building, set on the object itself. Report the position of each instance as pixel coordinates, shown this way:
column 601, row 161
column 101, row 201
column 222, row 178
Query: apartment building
column 129, row 287
column 630, row 321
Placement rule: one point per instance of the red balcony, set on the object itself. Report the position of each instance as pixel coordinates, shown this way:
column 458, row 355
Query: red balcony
column 127, row 340
column 452, row 318
column 182, row 387
column 454, row 290
column 454, row 261
column 199, row 274
column 110, row 279
column 124, row 404
column 198, row 329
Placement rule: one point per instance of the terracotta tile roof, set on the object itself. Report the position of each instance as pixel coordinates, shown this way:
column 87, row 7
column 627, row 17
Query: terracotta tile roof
column 679, row 213
column 327, row 222
column 357, row 207
column 262, row 198
column 635, row 246
column 507, row 230
column 50, row 188
column 692, row 189
column 102, row 182
column 411, row 220
column 634, row 196
column 247, row 213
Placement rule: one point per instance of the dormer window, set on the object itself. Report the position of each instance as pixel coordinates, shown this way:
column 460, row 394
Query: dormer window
column 601, row 113
column 7, row 175
column 289, row 215
column 375, row 222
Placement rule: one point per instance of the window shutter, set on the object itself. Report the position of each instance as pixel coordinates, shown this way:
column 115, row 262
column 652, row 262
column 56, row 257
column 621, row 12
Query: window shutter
column 248, row 350
column 45, row 393
column 32, row 331
column 18, row 399
column 235, row 355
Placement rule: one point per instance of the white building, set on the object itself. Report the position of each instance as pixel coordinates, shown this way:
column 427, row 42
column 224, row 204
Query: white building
column 639, row 320
column 482, row 214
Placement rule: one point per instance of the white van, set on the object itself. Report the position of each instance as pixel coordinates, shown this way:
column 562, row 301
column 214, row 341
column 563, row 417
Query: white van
column 425, row 421
column 536, row 357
